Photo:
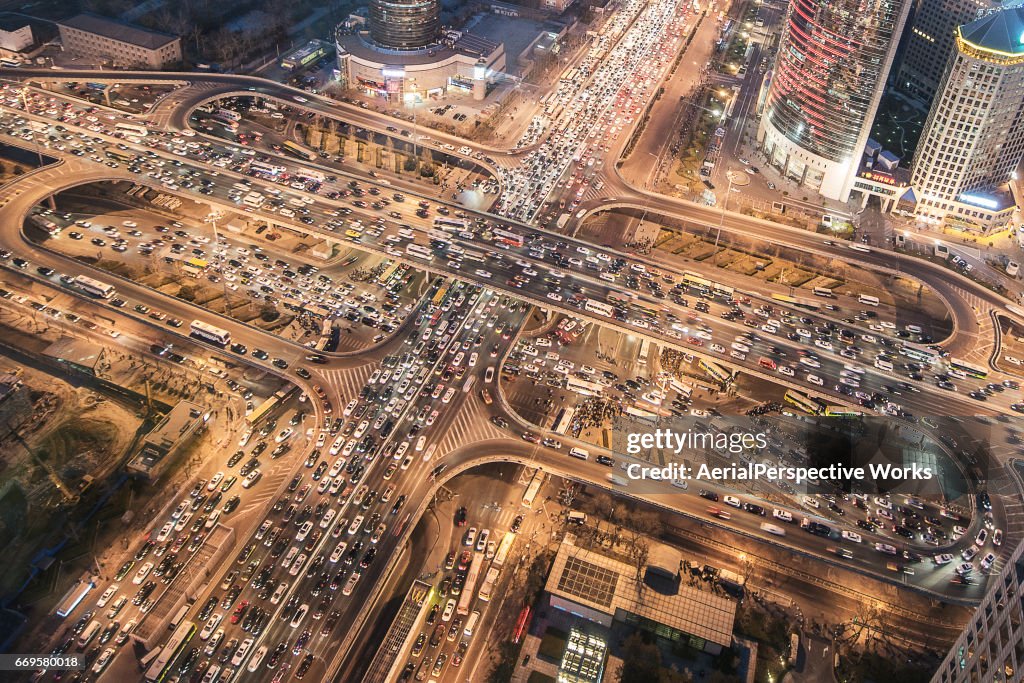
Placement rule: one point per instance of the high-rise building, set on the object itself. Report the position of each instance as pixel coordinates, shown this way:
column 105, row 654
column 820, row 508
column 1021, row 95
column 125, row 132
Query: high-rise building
column 405, row 24
column 973, row 139
column 991, row 646
column 833, row 61
column 929, row 41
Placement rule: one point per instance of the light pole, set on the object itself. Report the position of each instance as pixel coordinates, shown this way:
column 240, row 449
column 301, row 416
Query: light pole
column 721, row 219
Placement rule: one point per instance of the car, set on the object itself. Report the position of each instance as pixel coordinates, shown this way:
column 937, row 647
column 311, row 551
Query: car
column 449, row 610
column 944, row 558
column 987, row 562
column 732, row 501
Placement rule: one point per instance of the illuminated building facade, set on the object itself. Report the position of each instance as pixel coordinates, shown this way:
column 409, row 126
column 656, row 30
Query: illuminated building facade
column 973, row 139
column 930, row 40
column 833, row 60
column 405, row 24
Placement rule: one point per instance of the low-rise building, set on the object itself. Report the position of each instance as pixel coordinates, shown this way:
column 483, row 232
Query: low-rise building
column 173, row 432
column 603, row 589
column 95, row 37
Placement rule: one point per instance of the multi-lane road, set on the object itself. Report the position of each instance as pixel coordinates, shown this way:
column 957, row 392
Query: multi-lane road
column 527, row 263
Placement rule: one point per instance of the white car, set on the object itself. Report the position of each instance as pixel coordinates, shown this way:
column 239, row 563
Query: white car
column 944, row 558
column 811, row 502
column 987, row 562
column 814, row 379
column 284, row 435
column 782, row 515
column 852, row 536
column 143, row 572
column 732, row 500
column 216, row 479
column 449, row 610
column 211, row 625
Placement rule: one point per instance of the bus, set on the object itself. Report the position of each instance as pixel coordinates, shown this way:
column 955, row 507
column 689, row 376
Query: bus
column 842, row 411
column 794, row 301
column 384, row 279
column 694, row 280
column 264, row 408
column 564, row 420
column 716, row 371
column 419, row 251
column 601, row 308
column 446, row 223
column 439, row 295
column 533, row 488
column 487, row 587
column 93, row 287
column 132, row 128
column 208, row 333
column 645, row 349
column 868, row 300
column 118, row 155
column 504, row 548
column 300, row 152
column 860, row 247
column 266, row 169
column 570, row 74
column 918, row 354
column 824, row 292
column 161, row 666
column 229, row 114
column 803, row 402
column 510, row 238
column 73, row 598
column 968, row 369
column 466, row 600
column 309, row 174
column 582, row 386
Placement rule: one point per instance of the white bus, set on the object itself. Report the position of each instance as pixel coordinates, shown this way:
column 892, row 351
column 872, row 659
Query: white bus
column 266, row 169
column 868, row 300
column 209, row 333
column 310, row 174
column 824, row 292
column 133, row 128
column 601, row 308
column 88, row 634
column 450, row 223
column 419, row 251
column 94, row 287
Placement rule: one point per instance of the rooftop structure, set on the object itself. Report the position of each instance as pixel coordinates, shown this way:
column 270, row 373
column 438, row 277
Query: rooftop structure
column 604, row 589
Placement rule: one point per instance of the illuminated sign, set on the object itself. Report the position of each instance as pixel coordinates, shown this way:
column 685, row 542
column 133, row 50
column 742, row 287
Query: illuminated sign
column 392, row 72
column 878, row 178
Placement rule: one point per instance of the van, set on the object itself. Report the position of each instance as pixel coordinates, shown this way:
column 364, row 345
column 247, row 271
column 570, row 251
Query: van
column 883, row 365
column 88, row 634
column 580, row 453
column 577, row 518
column 471, row 623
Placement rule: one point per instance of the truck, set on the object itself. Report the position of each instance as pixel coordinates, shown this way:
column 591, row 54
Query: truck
column 562, row 220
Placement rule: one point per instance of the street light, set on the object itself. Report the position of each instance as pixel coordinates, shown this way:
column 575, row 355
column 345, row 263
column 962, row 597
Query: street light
column 721, row 219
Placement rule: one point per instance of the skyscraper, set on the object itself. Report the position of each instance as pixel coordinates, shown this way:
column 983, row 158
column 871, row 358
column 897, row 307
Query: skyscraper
column 991, row 646
column 405, row 24
column 973, row 139
column 832, row 64
column 929, row 42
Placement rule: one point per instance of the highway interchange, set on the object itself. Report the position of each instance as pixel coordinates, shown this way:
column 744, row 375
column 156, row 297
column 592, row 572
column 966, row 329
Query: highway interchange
column 545, row 268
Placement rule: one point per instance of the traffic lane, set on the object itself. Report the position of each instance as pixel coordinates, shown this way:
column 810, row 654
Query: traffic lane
column 689, row 504
column 545, row 297
column 370, row 576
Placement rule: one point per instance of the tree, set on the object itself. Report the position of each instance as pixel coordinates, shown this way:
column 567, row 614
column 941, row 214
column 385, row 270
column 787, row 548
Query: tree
column 187, row 293
column 268, row 312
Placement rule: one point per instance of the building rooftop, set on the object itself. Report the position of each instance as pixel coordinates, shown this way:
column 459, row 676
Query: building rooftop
column 608, row 585
column 171, row 428
column 1000, row 31
column 359, row 46
column 115, row 30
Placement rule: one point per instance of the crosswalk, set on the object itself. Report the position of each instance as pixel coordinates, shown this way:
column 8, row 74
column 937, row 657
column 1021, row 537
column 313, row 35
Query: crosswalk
column 346, row 382
column 470, row 424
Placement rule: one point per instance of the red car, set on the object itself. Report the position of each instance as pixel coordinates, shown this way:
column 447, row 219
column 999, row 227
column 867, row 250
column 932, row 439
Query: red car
column 239, row 612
